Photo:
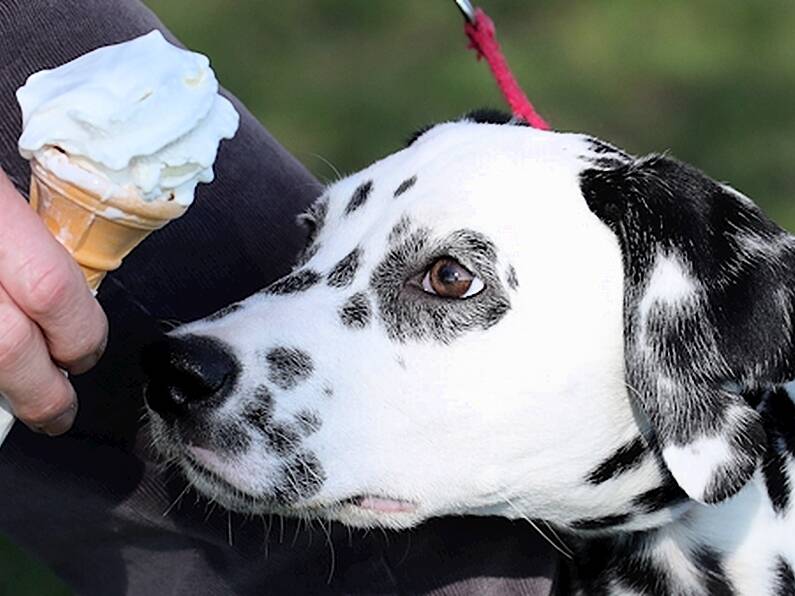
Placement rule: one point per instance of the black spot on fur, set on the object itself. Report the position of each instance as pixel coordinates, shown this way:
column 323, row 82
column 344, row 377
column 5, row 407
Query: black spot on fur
column 642, row 575
column 511, row 278
column 308, row 422
column 229, row 439
column 282, row 438
column 356, row 311
column 625, row 458
column 603, row 564
column 601, row 523
column 259, row 411
column 258, row 416
column 342, row 274
column 299, row 281
column 359, row 198
column 657, row 499
column 288, row 366
column 227, row 310
column 328, row 392
column 400, row 229
column 300, row 477
column 784, row 579
column 716, row 581
column 405, row 185
column 410, row 313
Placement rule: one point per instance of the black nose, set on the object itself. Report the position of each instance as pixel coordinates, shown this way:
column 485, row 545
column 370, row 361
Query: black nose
column 188, row 373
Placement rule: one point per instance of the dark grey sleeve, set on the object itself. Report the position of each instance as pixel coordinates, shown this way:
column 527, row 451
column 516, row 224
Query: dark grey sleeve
column 95, row 504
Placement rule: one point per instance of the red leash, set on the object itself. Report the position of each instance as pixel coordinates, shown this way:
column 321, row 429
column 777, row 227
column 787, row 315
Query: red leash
column 483, row 39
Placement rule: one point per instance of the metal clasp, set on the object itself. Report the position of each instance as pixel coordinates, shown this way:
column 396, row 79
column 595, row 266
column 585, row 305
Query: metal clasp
column 466, row 8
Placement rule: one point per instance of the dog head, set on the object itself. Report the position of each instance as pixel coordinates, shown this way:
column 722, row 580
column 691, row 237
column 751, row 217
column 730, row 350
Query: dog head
column 494, row 320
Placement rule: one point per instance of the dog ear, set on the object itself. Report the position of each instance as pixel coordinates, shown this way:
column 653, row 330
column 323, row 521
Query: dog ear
column 708, row 309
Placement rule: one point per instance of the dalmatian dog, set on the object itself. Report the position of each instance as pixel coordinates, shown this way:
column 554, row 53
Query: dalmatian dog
column 498, row 320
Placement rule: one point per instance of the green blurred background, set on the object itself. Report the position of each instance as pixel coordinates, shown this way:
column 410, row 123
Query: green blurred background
column 344, row 82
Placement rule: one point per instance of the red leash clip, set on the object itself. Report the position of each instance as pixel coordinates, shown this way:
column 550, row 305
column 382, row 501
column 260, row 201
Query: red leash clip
column 483, row 39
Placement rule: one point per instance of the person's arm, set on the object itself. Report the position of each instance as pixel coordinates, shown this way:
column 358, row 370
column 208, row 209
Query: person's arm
column 48, row 319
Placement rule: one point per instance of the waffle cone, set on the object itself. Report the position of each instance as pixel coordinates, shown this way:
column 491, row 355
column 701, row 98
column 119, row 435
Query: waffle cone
column 99, row 232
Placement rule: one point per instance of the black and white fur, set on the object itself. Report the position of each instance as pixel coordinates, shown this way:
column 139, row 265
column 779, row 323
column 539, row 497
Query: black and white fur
column 621, row 376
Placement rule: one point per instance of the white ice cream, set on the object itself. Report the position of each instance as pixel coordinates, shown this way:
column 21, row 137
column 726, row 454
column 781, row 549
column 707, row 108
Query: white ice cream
column 140, row 115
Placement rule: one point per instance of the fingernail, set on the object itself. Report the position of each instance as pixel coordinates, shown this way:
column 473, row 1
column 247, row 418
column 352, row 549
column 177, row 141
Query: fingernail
column 62, row 423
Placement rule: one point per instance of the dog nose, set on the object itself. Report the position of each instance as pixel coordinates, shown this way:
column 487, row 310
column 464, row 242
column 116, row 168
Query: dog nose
column 187, row 374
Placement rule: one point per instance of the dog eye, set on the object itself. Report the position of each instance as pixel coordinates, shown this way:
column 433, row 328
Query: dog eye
column 450, row 279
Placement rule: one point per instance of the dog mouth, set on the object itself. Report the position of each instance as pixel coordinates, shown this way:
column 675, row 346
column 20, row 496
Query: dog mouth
column 378, row 504
column 368, row 504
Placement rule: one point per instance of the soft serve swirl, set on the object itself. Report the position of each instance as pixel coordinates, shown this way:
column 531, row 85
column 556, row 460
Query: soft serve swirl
column 142, row 116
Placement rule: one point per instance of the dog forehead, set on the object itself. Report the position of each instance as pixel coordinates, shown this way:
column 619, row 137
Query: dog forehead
column 462, row 153
column 458, row 174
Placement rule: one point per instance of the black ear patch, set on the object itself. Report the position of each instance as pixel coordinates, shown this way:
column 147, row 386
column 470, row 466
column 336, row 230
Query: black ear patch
column 492, row 116
column 418, row 133
column 708, row 305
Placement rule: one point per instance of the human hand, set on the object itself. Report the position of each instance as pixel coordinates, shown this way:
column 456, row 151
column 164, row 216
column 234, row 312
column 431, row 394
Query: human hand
column 48, row 319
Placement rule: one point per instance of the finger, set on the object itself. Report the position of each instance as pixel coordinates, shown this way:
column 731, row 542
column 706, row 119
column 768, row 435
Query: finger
column 47, row 285
column 40, row 395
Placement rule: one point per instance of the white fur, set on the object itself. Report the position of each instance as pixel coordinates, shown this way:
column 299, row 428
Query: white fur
column 696, row 461
column 670, row 283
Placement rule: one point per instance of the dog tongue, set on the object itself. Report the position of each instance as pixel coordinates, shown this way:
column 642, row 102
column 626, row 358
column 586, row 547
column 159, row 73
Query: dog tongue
column 386, row 505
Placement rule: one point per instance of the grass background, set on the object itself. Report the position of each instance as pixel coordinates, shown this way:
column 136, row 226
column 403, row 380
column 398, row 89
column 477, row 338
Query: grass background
column 345, row 81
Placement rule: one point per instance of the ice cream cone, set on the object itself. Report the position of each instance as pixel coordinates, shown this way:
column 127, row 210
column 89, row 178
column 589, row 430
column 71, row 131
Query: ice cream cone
column 98, row 231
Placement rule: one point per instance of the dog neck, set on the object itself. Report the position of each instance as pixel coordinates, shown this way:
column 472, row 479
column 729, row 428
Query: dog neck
column 743, row 545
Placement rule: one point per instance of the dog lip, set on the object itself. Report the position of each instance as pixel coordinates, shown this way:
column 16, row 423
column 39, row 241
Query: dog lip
column 207, row 464
column 379, row 504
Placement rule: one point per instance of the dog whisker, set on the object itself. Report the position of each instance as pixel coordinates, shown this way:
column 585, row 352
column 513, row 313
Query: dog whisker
column 297, row 531
column 176, row 500
column 332, row 554
column 563, row 550
column 334, row 168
